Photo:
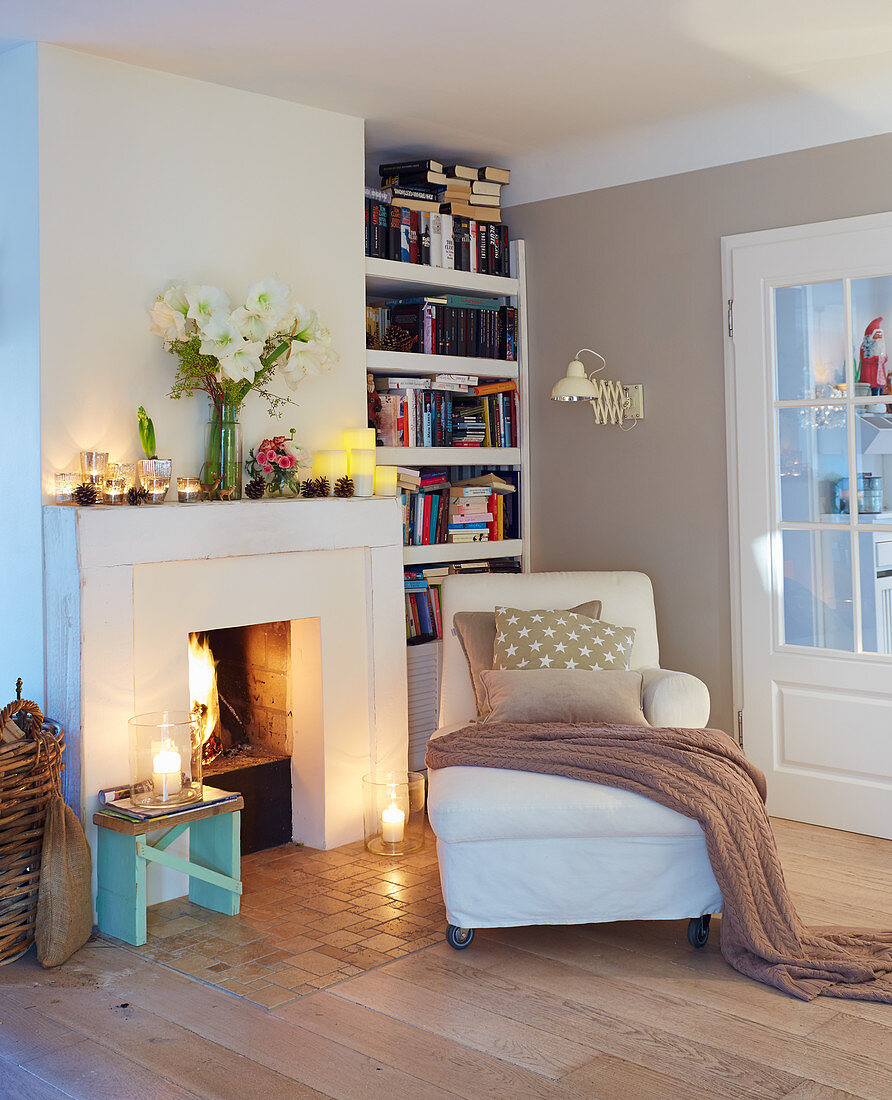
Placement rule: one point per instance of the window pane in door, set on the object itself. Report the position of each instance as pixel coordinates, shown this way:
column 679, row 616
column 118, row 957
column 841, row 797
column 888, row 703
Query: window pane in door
column 812, row 454
column 871, row 313
column 809, row 341
column 873, row 446
column 875, row 559
column 817, row 589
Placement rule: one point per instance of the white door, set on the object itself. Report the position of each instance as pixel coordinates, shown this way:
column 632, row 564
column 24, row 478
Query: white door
column 810, row 583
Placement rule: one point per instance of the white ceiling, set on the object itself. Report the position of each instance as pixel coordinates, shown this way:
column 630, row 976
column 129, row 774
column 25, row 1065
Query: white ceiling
column 572, row 94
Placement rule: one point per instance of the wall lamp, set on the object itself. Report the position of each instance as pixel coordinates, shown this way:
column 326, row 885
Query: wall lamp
column 612, row 402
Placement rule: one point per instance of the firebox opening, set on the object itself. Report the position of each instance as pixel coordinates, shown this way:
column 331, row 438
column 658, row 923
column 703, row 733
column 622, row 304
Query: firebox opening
column 240, row 688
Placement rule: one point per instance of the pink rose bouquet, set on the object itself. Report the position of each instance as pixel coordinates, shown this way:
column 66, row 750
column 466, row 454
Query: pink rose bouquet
column 277, row 461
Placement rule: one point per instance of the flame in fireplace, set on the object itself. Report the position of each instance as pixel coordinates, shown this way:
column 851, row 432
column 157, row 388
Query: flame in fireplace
column 203, row 693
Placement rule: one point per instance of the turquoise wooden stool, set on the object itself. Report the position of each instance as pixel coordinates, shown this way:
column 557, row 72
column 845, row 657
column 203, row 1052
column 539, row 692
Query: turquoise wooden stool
column 213, row 866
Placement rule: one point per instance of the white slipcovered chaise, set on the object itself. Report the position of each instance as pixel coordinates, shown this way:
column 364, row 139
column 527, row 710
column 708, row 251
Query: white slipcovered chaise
column 517, row 848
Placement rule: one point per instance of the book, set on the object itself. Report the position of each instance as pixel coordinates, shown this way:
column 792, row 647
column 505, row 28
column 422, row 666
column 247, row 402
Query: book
column 463, row 172
column 377, row 194
column 494, row 175
column 413, row 179
column 425, row 194
column 436, row 253
column 210, row 797
column 484, row 200
column 494, row 387
column 463, row 209
column 467, row 379
column 485, row 187
column 398, row 166
column 394, row 232
column 447, row 255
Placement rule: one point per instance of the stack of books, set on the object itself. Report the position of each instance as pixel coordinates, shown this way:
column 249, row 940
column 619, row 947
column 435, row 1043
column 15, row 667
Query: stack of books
column 471, row 513
column 424, row 621
column 423, row 412
column 448, row 217
column 450, row 324
column 441, row 511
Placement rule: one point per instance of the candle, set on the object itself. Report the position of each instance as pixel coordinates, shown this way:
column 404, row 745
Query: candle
column 330, row 465
column 385, row 481
column 114, row 490
column 167, row 772
column 188, row 490
column 127, row 471
column 93, row 465
column 393, row 824
column 65, row 486
column 361, row 467
column 360, row 439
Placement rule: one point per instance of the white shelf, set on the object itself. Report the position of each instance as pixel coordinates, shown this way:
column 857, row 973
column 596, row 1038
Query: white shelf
column 390, row 277
column 447, row 456
column 413, row 363
column 462, row 551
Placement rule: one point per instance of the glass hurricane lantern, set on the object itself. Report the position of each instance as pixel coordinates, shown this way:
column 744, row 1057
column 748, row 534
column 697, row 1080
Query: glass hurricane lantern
column 165, row 759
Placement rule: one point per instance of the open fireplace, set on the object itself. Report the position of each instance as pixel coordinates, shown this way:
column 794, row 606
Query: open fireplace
column 240, row 686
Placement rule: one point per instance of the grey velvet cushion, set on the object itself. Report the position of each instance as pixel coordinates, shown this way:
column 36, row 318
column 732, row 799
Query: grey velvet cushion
column 563, row 695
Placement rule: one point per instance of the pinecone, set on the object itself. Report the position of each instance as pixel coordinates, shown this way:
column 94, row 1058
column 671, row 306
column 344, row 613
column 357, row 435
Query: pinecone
column 372, row 342
column 85, row 495
column 136, row 495
column 344, row 487
column 255, row 488
column 397, row 339
column 315, row 487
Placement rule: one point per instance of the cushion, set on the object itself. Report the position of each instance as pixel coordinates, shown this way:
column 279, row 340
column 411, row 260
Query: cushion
column 562, row 695
column 476, row 631
column 559, row 639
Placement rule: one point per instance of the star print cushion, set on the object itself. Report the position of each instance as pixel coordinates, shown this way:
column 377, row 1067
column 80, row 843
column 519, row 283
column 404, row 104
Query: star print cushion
column 559, row 639
column 562, row 695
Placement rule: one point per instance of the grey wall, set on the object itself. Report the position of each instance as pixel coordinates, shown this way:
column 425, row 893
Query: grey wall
column 635, row 272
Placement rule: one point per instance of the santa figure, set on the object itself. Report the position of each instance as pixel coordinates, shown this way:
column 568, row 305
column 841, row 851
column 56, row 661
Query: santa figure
column 873, row 357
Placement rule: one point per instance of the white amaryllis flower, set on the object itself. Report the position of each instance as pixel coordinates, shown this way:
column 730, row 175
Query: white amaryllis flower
column 269, row 298
column 306, row 322
column 253, row 326
column 167, row 322
column 204, row 302
column 244, row 362
column 175, row 297
column 220, row 337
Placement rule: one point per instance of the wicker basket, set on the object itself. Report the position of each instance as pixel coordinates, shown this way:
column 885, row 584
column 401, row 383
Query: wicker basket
column 30, row 771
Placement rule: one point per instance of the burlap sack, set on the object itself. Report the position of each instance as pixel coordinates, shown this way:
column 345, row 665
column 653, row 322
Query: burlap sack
column 64, row 899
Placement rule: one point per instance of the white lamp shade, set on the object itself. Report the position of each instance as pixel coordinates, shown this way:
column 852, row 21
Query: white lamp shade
column 574, row 386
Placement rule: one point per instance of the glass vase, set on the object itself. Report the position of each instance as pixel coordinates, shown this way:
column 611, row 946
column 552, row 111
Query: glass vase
column 222, row 467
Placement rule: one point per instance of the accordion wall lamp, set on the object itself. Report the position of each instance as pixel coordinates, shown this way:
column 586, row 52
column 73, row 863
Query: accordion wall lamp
column 612, row 402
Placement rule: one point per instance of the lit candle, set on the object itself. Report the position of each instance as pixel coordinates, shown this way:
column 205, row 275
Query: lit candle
column 360, row 439
column 393, row 824
column 330, row 465
column 114, row 490
column 65, row 486
column 361, row 468
column 93, row 465
column 385, row 481
column 188, row 490
column 167, row 772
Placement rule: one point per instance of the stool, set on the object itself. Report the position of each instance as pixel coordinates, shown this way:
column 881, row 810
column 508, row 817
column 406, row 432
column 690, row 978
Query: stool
column 213, row 866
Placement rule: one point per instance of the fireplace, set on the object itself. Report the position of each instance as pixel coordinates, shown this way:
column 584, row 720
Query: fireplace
column 126, row 587
column 240, row 686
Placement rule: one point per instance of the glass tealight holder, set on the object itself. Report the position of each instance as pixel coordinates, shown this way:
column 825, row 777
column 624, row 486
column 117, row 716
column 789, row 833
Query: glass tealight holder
column 165, row 759
column 154, row 477
column 114, row 490
column 127, row 471
column 393, row 812
column 93, row 465
column 188, row 490
column 65, row 486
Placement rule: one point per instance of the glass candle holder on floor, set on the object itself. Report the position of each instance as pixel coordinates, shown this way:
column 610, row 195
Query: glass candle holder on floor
column 154, row 477
column 188, row 490
column 93, row 464
column 165, row 759
column 393, row 812
column 65, row 486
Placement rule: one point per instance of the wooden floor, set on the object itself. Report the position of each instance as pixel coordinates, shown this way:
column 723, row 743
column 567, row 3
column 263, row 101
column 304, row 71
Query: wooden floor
column 623, row 1010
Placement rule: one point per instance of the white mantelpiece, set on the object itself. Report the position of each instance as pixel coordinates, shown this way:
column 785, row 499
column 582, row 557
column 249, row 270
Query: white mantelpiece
column 125, row 586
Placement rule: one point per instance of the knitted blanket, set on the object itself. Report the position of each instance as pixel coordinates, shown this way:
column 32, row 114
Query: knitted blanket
column 701, row 774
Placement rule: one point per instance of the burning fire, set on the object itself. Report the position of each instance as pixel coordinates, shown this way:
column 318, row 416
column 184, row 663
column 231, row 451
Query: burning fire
column 203, row 693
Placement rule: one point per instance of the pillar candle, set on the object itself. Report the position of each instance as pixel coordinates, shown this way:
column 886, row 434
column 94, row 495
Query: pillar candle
column 331, row 465
column 393, row 825
column 360, row 439
column 385, row 481
column 167, row 773
column 361, row 467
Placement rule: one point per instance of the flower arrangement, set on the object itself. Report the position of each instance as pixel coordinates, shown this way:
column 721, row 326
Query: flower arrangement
column 277, row 461
column 227, row 352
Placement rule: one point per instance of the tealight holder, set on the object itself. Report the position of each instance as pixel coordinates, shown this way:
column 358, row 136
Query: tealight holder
column 114, row 490
column 165, row 759
column 65, row 486
column 154, row 477
column 393, row 812
column 93, row 467
column 127, row 471
column 188, row 490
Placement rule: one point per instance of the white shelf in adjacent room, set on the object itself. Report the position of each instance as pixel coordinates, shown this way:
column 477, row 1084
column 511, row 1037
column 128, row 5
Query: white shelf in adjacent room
column 413, row 363
column 462, row 551
column 447, row 456
column 389, row 277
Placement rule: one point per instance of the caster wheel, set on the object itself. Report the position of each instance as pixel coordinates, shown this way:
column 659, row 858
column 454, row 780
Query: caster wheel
column 698, row 931
column 459, row 938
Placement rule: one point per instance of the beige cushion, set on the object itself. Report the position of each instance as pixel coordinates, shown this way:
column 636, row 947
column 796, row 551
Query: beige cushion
column 559, row 639
column 476, row 633
column 561, row 695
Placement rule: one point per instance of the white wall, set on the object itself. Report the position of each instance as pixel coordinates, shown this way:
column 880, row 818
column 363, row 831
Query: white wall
column 21, row 577
column 147, row 177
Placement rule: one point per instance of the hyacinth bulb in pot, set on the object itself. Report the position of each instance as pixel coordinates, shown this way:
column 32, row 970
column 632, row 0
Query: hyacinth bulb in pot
column 226, row 353
column 154, row 473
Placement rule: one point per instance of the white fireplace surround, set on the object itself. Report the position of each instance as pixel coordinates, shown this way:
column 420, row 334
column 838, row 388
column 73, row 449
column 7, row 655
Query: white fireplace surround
column 125, row 587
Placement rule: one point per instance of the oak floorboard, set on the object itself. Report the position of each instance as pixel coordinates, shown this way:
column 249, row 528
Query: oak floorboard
column 469, row 1073
column 609, row 1078
column 847, row 1033
column 596, row 1019
column 797, row 1056
column 26, row 1033
column 18, row 1084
